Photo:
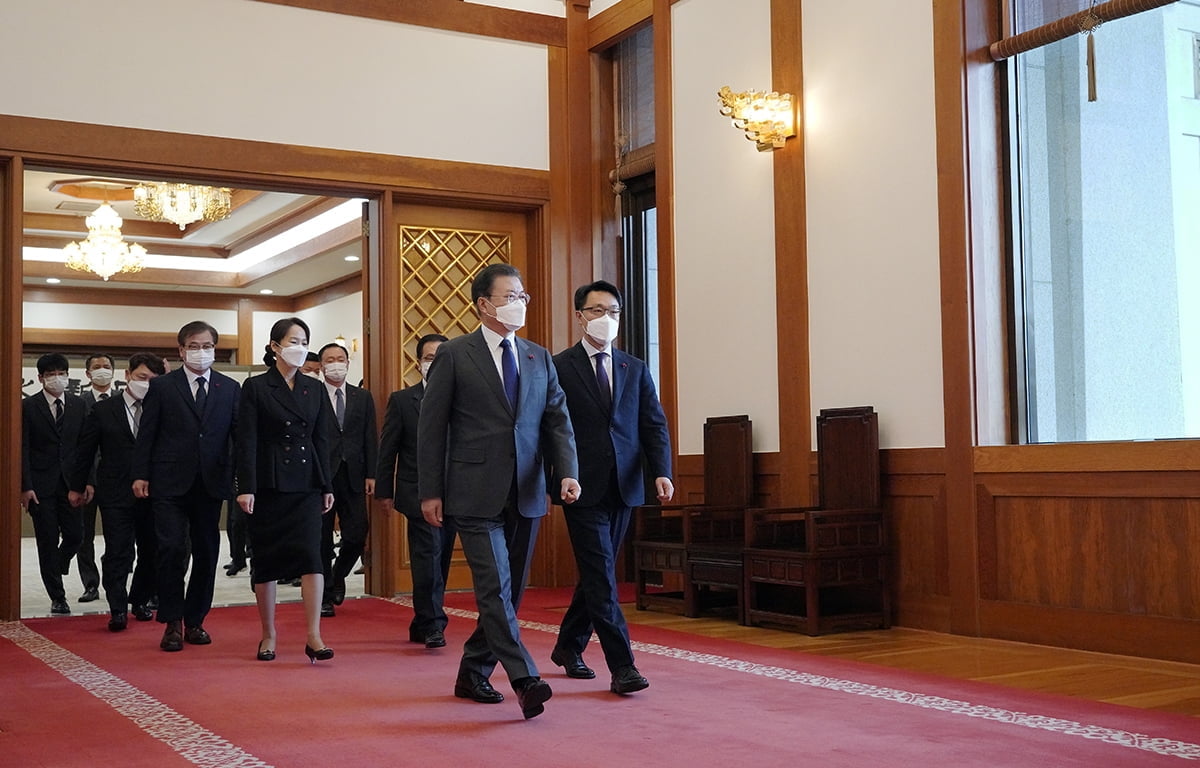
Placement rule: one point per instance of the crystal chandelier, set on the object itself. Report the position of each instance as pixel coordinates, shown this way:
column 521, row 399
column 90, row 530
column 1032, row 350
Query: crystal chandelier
column 104, row 251
column 180, row 203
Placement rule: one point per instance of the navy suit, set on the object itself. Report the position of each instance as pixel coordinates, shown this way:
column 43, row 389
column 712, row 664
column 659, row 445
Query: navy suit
column 47, row 460
column 429, row 548
column 186, row 455
column 128, row 521
column 485, row 462
column 353, row 457
column 619, row 444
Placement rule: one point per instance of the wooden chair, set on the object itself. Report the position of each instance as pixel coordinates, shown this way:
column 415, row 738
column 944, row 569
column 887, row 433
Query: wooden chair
column 824, row 569
column 687, row 557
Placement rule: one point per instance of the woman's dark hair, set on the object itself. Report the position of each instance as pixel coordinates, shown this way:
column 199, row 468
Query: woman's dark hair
column 278, row 332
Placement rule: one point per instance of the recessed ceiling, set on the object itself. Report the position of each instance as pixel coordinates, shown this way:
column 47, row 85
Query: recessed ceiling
column 288, row 243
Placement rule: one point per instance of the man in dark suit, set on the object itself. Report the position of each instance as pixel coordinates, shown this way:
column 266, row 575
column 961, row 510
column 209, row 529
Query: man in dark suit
column 430, row 549
column 353, row 455
column 111, row 428
column 492, row 410
column 51, row 422
column 183, row 462
column 615, row 413
column 99, row 368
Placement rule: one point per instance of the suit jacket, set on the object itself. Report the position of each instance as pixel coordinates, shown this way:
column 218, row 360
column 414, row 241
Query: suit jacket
column 396, row 477
column 176, row 441
column 470, row 443
column 48, row 454
column 631, row 437
column 354, row 442
column 106, row 428
column 283, row 435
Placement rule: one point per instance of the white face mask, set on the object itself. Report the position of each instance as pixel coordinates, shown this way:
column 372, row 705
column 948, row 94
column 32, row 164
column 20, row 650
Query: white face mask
column 137, row 388
column 102, row 377
column 200, row 359
column 294, row 356
column 511, row 315
column 603, row 328
column 336, row 372
column 56, row 385
column 425, row 369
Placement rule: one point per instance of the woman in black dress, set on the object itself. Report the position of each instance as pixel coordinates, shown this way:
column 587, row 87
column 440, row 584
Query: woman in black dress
column 283, row 428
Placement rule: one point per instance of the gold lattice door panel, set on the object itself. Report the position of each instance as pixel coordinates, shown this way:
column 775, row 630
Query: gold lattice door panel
column 438, row 265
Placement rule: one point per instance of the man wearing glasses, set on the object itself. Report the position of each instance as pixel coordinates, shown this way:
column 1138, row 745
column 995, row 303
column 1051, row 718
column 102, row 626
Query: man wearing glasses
column 492, row 409
column 620, row 424
column 183, row 463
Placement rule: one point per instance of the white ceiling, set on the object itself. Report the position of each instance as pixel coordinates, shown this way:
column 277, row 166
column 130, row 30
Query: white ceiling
column 305, row 266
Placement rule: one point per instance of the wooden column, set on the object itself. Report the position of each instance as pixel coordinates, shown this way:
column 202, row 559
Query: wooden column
column 11, row 204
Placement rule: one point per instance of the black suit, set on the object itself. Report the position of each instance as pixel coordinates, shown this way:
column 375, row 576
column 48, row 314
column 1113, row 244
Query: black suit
column 485, row 462
column 86, row 558
column 621, row 441
column 429, row 548
column 48, row 455
column 127, row 520
column 353, row 456
column 185, row 453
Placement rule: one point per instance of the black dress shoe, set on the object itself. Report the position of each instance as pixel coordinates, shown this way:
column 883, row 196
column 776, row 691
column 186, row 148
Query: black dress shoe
column 628, row 680
column 435, row 639
column 265, row 654
column 60, row 607
column 172, row 639
column 532, row 693
column 327, row 610
column 89, row 594
column 477, row 689
column 196, row 636
column 233, row 569
column 142, row 613
column 118, row 622
column 152, row 603
column 415, row 636
column 339, row 591
column 572, row 663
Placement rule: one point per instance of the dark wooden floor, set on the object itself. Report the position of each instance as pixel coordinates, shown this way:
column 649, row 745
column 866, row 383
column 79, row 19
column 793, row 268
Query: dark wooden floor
column 1129, row 681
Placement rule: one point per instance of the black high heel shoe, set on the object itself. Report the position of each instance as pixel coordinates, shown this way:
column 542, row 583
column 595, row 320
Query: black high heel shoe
column 323, row 654
column 265, row 655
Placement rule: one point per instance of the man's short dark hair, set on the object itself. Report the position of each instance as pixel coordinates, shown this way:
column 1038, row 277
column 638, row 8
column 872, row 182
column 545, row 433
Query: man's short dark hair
column 421, row 342
column 87, row 364
column 482, row 284
column 195, row 327
column 599, row 285
column 52, row 361
column 331, row 345
column 153, row 363
column 312, row 357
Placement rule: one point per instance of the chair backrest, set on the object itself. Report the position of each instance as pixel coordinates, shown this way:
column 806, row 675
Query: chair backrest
column 848, row 458
column 728, row 461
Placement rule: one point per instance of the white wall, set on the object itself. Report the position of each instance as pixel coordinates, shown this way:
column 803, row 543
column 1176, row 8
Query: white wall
column 106, row 317
column 724, row 225
column 874, row 296
column 266, row 72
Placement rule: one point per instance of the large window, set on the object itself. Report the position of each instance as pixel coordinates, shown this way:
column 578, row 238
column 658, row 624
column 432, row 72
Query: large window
column 1107, row 232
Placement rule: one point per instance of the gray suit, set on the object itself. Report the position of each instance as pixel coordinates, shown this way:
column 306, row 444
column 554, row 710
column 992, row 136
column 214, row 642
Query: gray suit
column 486, row 465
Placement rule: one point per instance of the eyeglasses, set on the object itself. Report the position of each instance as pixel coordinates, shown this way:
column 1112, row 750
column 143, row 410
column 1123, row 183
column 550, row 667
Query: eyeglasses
column 594, row 312
column 511, row 296
column 198, row 347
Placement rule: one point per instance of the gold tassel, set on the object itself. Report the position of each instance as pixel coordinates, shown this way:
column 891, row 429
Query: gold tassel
column 1091, row 65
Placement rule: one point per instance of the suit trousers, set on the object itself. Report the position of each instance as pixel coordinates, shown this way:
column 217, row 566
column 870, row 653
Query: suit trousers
column 350, row 507
column 596, row 535
column 89, row 574
column 129, row 533
column 193, row 517
column 430, row 551
column 235, row 533
column 498, row 551
column 58, row 529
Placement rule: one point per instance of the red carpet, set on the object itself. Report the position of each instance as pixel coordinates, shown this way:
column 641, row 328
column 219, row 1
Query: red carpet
column 77, row 695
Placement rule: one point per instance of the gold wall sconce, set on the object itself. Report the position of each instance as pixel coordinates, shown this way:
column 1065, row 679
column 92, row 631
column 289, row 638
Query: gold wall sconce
column 768, row 119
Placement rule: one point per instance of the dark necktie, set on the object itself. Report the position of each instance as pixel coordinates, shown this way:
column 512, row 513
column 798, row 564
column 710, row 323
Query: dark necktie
column 602, row 380
column 339, row 409
column 137, row 416
column 201, row 394
column 58, row 414
column 508, row 363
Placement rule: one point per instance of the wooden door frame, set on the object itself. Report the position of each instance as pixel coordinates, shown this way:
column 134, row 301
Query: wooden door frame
column 382, row 179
